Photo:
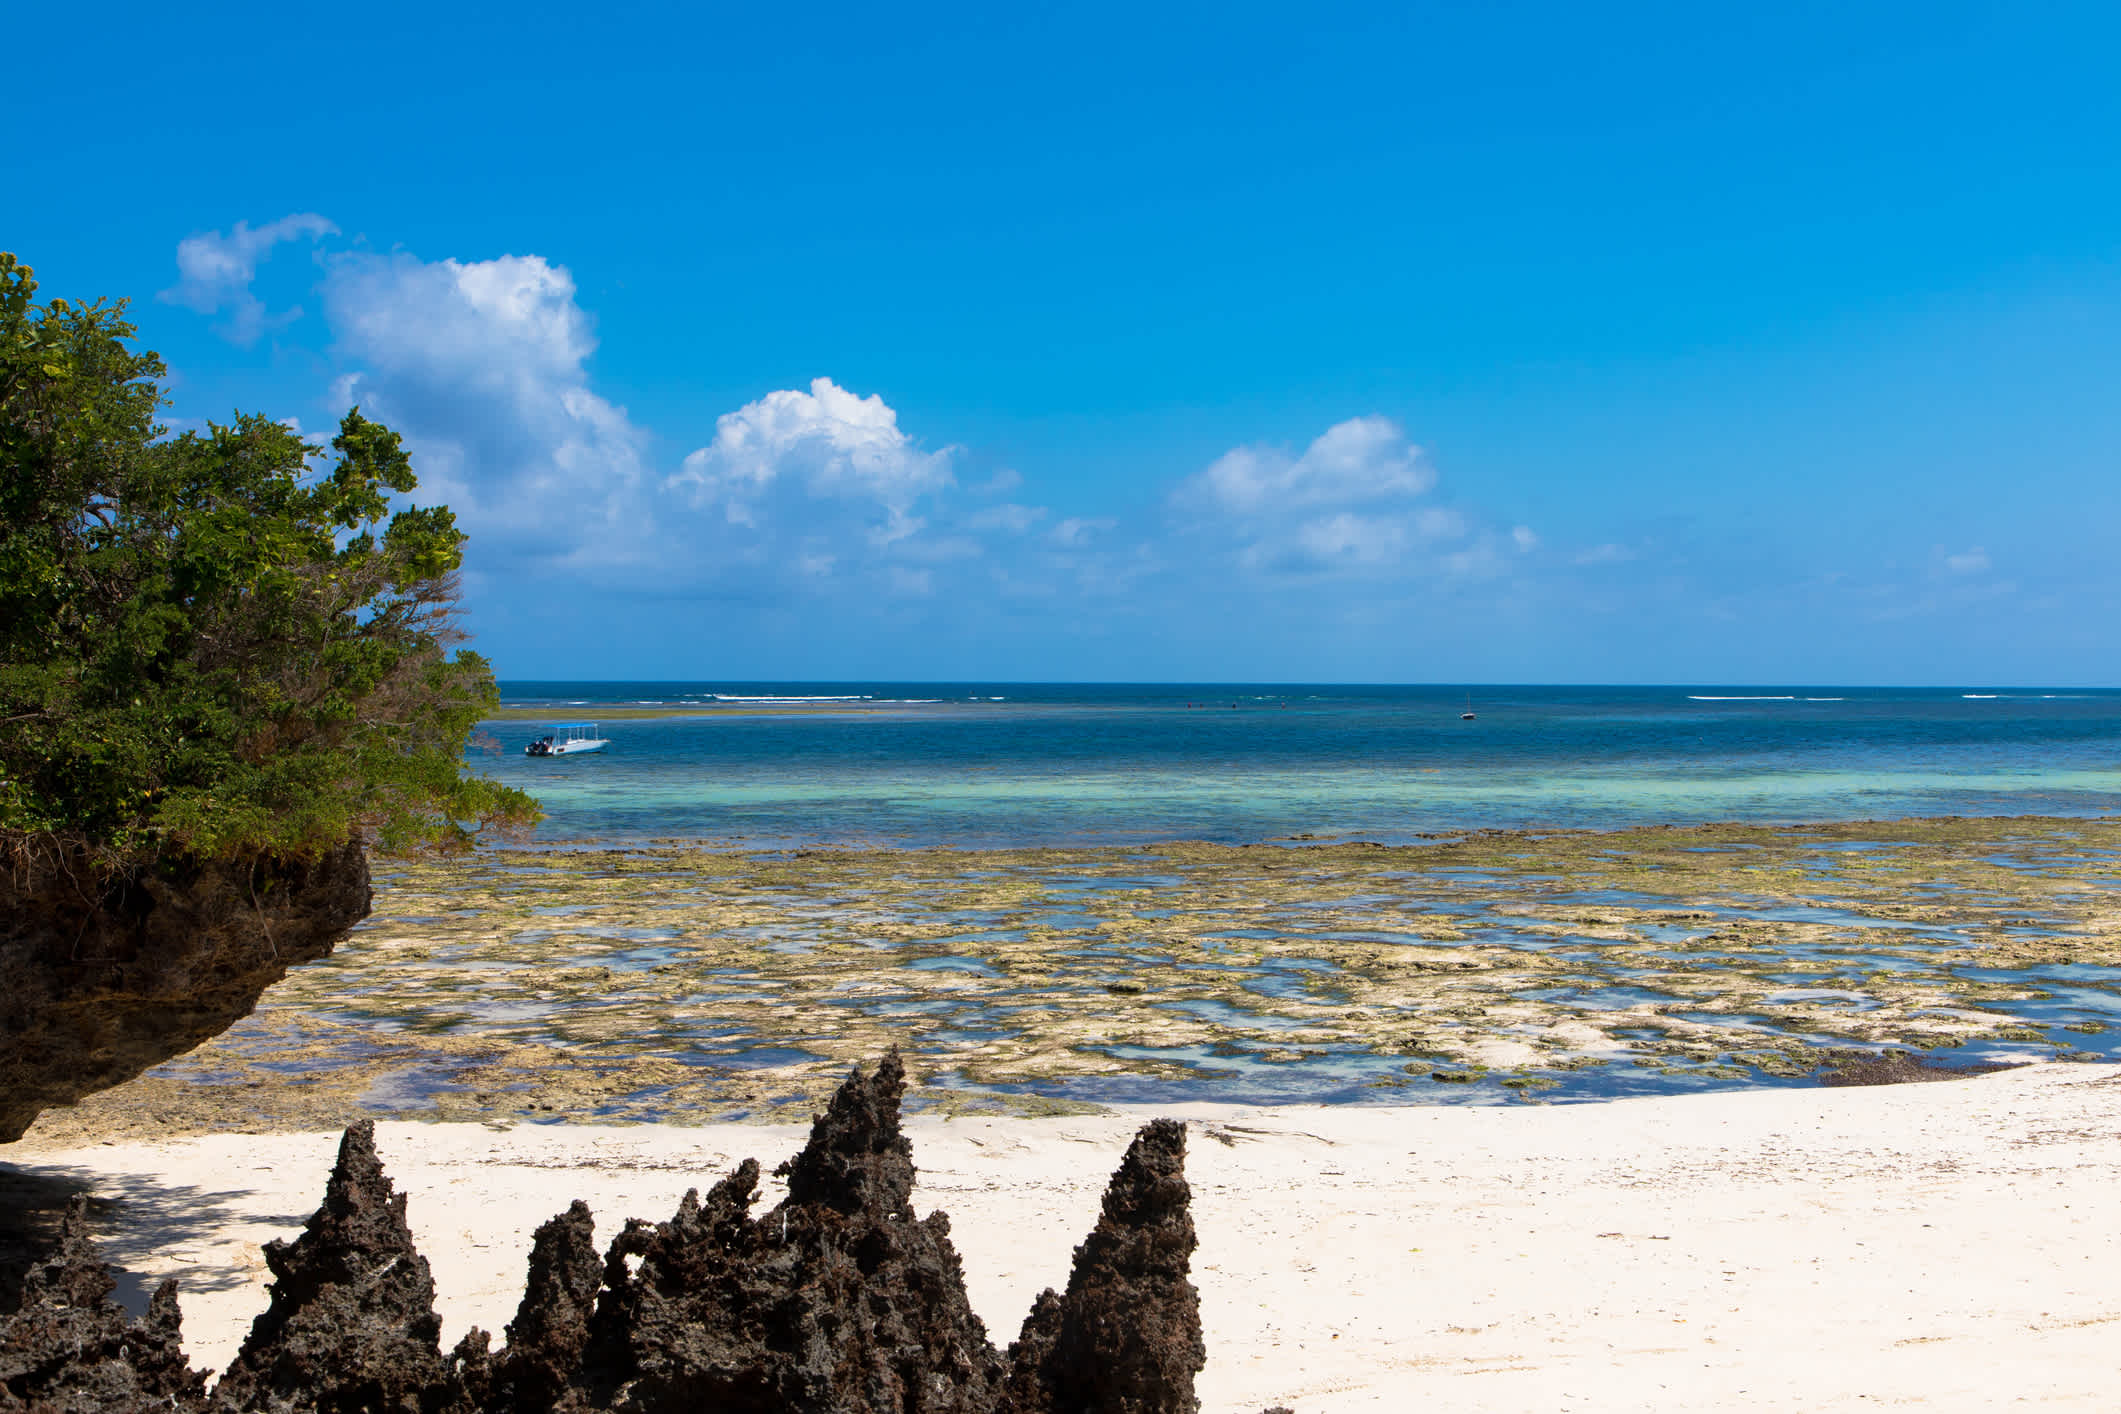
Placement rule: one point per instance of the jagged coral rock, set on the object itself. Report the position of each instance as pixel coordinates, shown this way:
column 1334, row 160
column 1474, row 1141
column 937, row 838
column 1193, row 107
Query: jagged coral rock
column 541, row 1370
column 351, row 1325
column 103, row 975
column 835, row 1302
column 71, row 1350
column 838, row 1301
column 1126, row 1337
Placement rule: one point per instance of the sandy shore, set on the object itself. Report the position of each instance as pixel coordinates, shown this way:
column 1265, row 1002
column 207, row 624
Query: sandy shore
column 1945, row 1246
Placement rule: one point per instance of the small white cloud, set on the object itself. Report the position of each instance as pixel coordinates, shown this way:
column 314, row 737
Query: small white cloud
column 214, row 272
column 1607, row 554
column 1476, row 561
column 941, row 549
column 1001, row 483
column 1970, row 562
column 1525, row 537
column 1010, row 517
column 1349, row 504
column 826, row 444
column 1078, row 530
column 1437, row 524
column 1350, row 538
column 913, row 582
column 1360, row 460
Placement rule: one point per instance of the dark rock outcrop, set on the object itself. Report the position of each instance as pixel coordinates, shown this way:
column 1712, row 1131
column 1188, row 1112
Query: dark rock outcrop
column 542, row 1369
column 1900, row 1068
column 837, row 1301
column 1126, row 1338
column 71, row 1350
column 352, row 1324
column 103, row 974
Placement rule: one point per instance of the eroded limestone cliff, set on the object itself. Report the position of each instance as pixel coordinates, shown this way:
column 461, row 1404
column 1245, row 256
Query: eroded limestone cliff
column 103, row 973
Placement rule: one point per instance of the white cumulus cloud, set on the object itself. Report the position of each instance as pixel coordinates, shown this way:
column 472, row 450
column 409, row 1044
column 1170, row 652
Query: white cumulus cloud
column 824, row 445
column 1350, row 502
column 215, row 271
column 1362, row 459
column 482, row 366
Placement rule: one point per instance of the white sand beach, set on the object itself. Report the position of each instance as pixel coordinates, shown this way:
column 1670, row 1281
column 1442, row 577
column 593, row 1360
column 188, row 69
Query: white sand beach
column 1937, row 1246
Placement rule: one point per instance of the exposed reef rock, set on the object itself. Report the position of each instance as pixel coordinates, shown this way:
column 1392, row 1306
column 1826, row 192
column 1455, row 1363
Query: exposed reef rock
column 352, row 1324
column 1901, row 1068
column 837, row 1301
column 71, row 1350
column 1126, row 1338
column 542, row 1369
column 102, row 975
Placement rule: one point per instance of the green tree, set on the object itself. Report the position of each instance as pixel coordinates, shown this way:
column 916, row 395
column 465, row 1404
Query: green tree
column 213, row 644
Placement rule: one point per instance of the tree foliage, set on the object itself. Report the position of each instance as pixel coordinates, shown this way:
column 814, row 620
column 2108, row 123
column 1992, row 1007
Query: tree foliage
column 213, row 643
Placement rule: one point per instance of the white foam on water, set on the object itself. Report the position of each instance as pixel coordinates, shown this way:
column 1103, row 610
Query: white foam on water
column 729, row 697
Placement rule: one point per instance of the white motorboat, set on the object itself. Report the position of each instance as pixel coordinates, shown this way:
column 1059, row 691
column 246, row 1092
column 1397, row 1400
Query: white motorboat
column 568, row 739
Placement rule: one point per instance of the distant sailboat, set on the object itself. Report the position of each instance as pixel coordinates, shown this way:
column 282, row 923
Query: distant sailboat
column 1467, row 715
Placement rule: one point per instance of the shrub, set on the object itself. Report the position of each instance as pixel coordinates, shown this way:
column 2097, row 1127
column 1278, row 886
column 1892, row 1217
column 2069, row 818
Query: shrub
column 213, row 644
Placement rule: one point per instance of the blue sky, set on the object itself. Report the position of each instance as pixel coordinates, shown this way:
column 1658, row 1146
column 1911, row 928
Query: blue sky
column 1515, row 342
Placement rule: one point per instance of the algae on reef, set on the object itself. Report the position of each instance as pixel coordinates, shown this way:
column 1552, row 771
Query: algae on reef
column 673, row 983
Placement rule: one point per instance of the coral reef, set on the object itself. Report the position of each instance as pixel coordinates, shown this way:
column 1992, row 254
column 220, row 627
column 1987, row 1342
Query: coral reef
column 70, row 1350
column 352, row 1323
column 104, row 974
column 1898, row 1068
column 836, row 1301
column 1126, row 1338
column 1498, row 966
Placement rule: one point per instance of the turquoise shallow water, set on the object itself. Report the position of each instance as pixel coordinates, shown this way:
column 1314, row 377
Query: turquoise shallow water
column 983, row 765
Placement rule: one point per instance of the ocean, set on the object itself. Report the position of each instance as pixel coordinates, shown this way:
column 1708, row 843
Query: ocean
column 616, row 982
column 980, row 765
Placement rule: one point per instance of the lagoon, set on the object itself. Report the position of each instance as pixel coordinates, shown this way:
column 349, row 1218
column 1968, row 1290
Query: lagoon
column 1011, row 765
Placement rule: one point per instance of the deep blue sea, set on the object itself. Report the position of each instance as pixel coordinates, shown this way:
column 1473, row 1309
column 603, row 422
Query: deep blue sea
column 1001, row 764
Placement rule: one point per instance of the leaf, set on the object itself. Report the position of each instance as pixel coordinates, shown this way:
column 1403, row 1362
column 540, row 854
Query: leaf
column 188, row 659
